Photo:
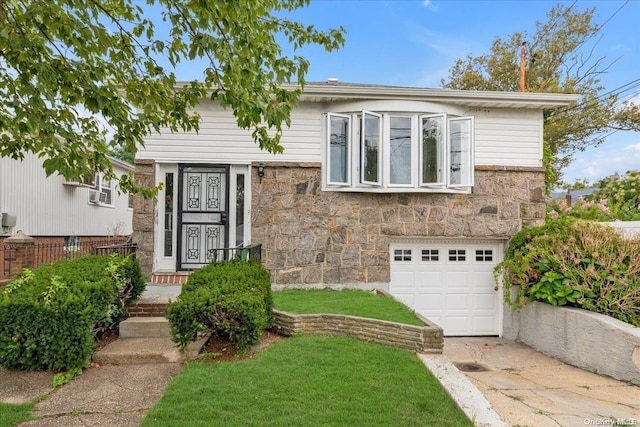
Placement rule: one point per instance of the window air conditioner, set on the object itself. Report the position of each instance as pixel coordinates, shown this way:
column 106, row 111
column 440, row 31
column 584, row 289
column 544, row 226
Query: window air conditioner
column 94, row 196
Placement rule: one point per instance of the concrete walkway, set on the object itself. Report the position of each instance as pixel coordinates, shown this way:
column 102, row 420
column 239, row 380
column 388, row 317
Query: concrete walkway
column 528, row 388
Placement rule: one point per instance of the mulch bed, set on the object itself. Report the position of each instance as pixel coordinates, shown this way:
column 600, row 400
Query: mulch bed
column 219, row 349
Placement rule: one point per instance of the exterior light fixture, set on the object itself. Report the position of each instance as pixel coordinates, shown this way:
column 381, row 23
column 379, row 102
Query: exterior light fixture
column 261, row 171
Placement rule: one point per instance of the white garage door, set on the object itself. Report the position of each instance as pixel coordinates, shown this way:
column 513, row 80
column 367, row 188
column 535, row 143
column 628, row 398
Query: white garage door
column 451, row 283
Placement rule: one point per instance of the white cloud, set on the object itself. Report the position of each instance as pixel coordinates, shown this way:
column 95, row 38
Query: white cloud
column 430, row 5
column 600, row 162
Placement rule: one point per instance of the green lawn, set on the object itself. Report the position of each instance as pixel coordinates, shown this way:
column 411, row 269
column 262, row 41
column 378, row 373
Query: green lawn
column 13, row 414
column 353, row 302
column 309, row 381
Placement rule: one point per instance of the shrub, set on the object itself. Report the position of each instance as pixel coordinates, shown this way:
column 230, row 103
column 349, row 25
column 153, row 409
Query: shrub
column 49, row 316
column 231, row 298
column 577, row 263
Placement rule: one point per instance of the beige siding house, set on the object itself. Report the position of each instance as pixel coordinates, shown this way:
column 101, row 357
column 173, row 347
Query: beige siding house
column 411, row 190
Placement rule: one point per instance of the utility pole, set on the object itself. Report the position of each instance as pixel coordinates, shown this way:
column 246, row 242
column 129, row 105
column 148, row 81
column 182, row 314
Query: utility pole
column 522, row 64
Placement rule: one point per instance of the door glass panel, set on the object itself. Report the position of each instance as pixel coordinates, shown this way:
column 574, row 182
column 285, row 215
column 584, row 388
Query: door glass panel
column 168, row 214
column 400, row 150
column 239, row 210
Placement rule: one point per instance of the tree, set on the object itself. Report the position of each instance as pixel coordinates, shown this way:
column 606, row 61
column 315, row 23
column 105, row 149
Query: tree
column 557, row 63
column 79, row 79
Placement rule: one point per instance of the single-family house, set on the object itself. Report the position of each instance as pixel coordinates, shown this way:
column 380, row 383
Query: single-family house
column 54, row 210
column 408, row 189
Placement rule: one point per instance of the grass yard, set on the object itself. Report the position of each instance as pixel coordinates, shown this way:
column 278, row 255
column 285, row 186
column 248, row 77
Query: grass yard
column 353, row 302
column 309, row 381
column 13, row 414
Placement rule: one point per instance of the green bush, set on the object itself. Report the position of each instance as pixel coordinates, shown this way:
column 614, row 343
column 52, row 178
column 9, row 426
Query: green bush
column 50, row 315
column 231, row 298
column 578, row 263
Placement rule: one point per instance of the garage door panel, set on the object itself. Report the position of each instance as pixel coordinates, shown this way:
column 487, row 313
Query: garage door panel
column 430, row 302
column 457, row 279
column 404, row 280
column 457, row 301
column 452, row 284
column 458, row 325
column 484, row 302
column 484, row 325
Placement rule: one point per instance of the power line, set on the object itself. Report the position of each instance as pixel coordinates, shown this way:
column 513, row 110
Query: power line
column 617, row 91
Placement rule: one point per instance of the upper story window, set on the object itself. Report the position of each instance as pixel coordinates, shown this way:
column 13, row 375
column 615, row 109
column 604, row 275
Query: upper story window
column 370, row 151
column 103, row 187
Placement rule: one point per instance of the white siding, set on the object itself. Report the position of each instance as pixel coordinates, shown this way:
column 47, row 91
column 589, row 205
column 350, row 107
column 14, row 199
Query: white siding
column 506, row 137
column 219, row 140
column 45, row 207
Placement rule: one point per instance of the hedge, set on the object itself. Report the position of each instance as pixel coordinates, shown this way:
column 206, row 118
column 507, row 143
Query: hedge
column 49, row 316
column 231, row 299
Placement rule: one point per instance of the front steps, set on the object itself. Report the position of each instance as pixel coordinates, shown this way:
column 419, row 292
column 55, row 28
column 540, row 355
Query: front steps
column 145, row 336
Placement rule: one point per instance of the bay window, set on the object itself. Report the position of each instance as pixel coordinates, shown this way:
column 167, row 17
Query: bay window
column 372, row 151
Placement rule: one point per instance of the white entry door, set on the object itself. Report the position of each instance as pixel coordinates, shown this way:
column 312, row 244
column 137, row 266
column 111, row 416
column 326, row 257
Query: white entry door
column 451, row 283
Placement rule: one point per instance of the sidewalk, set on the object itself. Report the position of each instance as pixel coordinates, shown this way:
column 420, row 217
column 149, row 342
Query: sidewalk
column 110, row 395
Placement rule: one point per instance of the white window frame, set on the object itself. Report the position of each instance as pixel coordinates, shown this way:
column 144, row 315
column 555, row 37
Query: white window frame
column 444, row 149
column 386, row 141
column 349, row 150
column 99, row 186
column 355, row 150
column 465, row 165
column 377, row 183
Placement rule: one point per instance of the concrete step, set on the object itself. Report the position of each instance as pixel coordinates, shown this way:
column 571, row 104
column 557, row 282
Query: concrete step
column 129, row 351
column 145, row 327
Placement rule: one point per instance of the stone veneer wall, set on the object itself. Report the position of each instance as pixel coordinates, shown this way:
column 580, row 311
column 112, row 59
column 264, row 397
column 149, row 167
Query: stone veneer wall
column 144, row 215
column 310, row 236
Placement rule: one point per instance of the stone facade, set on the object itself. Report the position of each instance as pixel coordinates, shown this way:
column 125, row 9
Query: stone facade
column 310, row 236
column 144, row 215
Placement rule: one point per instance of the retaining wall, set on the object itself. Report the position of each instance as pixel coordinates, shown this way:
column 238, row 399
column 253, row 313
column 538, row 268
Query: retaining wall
column 423, row 339
column 582, row 338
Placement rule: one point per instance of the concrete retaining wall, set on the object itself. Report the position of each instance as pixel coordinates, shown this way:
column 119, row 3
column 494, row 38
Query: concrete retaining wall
column 582, row 338
column 424, row 339
column 629, row 229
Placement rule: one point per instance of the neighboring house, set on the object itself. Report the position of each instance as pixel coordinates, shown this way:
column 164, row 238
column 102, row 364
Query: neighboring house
column 572, row 196
column 51, row 209
column 411, row 190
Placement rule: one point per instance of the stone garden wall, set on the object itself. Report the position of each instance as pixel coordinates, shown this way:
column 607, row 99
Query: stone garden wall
column 310, row 236
column 423, row 339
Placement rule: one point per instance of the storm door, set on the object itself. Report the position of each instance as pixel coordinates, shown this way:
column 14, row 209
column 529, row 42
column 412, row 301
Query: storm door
column 203, row 214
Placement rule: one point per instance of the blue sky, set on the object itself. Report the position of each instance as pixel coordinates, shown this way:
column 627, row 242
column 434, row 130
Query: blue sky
column 415, row 42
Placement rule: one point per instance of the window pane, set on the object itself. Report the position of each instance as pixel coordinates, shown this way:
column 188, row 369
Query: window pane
column 432, row 143
column 338, row 149
column 460, row 168
column 240, row 210
column 400, row 150
column 371, row 149
column 168, row 214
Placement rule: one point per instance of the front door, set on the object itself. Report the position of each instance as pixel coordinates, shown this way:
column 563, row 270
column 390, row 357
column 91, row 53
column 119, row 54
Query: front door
column 203, row 214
